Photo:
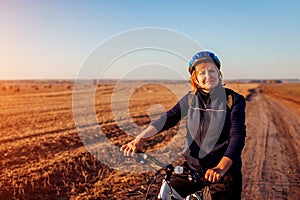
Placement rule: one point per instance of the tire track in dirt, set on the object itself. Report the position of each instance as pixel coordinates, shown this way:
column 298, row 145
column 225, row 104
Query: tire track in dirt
column 271, row 155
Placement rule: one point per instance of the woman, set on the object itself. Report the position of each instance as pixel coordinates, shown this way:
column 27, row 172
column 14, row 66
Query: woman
column 215, row 131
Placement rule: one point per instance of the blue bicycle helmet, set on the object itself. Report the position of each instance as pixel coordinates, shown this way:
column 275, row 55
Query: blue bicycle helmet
column 201, row 57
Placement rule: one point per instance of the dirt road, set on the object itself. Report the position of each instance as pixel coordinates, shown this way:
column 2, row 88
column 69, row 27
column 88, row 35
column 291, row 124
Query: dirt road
column 271, row 157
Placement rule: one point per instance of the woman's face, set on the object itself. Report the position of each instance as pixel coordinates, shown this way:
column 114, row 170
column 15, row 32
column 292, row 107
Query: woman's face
column 207, row 76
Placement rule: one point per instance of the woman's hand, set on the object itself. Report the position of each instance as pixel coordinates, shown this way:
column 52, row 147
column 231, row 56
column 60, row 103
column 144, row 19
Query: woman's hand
column 133, row 146
column 138, row 142
column 213, row 175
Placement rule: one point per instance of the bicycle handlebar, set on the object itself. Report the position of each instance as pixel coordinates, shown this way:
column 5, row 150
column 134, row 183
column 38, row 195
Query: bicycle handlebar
column 143, row 158
column 196, row 175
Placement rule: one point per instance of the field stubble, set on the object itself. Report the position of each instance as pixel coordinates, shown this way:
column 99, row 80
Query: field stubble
column 42, row 155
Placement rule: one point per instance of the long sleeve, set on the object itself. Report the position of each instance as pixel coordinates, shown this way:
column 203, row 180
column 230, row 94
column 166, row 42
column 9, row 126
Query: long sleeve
column 170, row 118
column 238, row 130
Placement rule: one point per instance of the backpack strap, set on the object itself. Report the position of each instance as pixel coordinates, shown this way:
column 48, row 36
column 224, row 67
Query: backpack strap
column 230, row 97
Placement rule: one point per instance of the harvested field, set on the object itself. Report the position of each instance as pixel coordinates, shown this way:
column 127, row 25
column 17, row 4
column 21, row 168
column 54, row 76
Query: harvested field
column 43, row 157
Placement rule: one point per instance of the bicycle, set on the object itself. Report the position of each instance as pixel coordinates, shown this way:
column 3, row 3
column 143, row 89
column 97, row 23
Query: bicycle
column 166, row 192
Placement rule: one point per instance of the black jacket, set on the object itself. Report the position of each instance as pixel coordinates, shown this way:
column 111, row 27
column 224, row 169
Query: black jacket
column 213, row 129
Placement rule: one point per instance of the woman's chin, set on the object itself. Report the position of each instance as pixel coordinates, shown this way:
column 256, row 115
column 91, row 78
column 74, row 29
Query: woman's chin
column 210, row 86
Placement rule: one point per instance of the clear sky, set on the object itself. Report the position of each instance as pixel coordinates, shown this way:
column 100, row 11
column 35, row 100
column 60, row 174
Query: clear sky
column 52, row 38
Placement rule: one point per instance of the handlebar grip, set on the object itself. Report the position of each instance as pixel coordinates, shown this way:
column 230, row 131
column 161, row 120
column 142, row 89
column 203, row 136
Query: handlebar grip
column 144, row 158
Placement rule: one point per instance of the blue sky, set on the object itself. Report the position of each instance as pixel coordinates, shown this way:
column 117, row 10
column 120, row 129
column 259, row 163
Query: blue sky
column 52, row 39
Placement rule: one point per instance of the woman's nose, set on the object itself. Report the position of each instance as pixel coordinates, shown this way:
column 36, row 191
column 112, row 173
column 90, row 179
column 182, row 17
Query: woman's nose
column 206, row 74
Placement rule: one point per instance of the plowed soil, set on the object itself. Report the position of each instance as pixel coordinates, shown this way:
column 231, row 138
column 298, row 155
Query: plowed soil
column 42, row 156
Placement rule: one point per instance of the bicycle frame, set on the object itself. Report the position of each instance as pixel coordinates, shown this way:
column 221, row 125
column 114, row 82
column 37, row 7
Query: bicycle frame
column 167, row 192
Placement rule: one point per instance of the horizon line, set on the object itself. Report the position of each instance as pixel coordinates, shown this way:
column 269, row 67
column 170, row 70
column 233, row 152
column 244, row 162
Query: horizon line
column 112, row 79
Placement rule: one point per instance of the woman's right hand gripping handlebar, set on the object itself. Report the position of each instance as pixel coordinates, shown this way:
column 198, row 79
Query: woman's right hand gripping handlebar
column 138, row 143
